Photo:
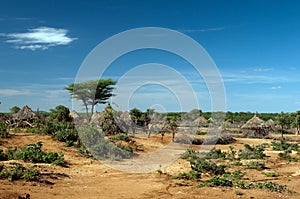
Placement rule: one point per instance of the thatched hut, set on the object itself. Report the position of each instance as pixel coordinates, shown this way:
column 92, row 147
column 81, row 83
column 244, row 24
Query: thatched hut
column 24, row 117
column 270, row 124
column 25, row 114
column 106, row 119
column 95, row 119
column 255, row 127
column 200, row 121
column 76, row 117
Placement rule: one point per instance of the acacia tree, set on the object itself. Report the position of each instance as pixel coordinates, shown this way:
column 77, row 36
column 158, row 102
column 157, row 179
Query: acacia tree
column 284, row 120
column 296, row 121
column 135, row 114
column 14, row 109
column 92, row 92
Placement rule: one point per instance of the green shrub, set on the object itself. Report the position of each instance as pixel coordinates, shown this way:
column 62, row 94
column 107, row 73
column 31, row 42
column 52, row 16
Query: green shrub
column 255, row 152
column 201, row 133
column 255, row 165
column 61, row 131
column 217, row 181
column 190, row 153
column 231, row 154
column 69, row 143
column 215, row 154
column 234, row 176
column 284, row 146
column 122, row 137
column 192, row 175
column 33, row 130
column 3, row 156
column 287, row 156
column 65, row 135
column 19, row 172
column 3, row 131
column 272, row 186
column 33, row 153
column 271, row 174
column 31, row 174
column 202, row 165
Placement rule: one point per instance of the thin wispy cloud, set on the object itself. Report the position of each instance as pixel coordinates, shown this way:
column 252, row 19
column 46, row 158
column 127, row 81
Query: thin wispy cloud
column 39, row 38
column 275, row 87
column 263, row 69
column 202, row 30
column 13, row 92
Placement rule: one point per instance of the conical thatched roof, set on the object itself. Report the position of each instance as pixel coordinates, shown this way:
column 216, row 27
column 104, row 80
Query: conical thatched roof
column 254, row 123
column 270, row 123
column 75, row 115
column 200, row 120
column 24, row 114
column 95, row 119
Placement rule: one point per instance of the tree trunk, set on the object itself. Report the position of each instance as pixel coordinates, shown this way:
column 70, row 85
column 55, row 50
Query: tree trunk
column 87, row 112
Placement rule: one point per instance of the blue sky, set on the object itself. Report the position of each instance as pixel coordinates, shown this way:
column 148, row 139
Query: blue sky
column 255, row 45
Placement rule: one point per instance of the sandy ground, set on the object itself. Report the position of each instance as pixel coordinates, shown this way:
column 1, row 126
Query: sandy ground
column 88, row 178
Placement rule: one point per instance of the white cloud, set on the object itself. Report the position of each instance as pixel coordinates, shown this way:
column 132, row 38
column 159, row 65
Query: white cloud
column 202, row 30
column 13, row 92
column 263, row 69
column 39, row 38
column 275, row 87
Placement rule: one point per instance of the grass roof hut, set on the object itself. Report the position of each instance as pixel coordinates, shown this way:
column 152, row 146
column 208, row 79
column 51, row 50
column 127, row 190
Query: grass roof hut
column 255, row 127
column 95, row 119
column 107, row 121
column 270, row 124
column 76, row 117
column 200, row 121
column 24, row 116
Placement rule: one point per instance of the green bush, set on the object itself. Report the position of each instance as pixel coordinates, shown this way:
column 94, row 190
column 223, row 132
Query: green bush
column 255, row 152
column 65, row 135
column 33, row 130
column 271, row 174
column 217, row 181
column 255, row 165
column 272, row 186
column 284, row 146
column 61, row 131
column 201, row 133
column 3, row 131
column 234, row 176
column 225, row 180
column 19, row 172
column 192, row 175
column 287, row 156
column 99, row 147
column 202, row 165
column 215, row 154
column 190, row 153
column 33, row 153
column 3, row 156
column 122, row 137
column 231, row 154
